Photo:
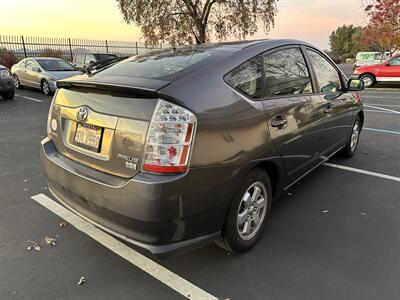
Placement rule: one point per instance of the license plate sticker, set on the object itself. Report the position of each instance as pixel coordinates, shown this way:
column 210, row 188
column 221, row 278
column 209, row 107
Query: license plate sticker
column 88, row 137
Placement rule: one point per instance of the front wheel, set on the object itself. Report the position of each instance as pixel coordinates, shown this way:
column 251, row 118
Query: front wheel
column 46, row 88
column 351, row 146
column 369, row 80
column 9, row 95
column 17, row 83
column 247, row 213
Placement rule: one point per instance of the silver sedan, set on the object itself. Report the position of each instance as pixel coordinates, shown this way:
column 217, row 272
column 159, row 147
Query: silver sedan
column 42, row 73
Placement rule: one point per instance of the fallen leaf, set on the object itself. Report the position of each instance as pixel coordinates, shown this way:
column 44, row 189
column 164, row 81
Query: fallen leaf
column 50, row 241
column 82, row 280
column 363, row 213
column 63, row 224
column 289, row 194
column 325, row 211
column 26, row 180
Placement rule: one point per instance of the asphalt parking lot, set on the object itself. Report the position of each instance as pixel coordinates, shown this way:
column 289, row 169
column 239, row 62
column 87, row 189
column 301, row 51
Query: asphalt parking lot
column 335, row 235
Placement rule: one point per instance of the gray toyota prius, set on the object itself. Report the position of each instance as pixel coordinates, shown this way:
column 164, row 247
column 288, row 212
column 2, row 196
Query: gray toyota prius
column 180, row 147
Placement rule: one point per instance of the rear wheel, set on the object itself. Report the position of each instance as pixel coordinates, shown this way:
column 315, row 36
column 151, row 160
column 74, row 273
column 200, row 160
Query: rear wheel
column 17, row 83
column 351, row 146
column 247, row 213
column 368, row 80
column 9, row 95
column 45, row 88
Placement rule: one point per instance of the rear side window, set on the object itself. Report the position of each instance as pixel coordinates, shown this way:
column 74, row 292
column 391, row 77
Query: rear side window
column 89, row 59
column 164, row 64
column 22, row 63
column 79, row 58
column 395, row 61
column 247, row 78
column 328, row 77
column 286, row 73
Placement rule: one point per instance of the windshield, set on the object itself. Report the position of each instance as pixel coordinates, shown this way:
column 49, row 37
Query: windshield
column 163, row 64
column 55, row 65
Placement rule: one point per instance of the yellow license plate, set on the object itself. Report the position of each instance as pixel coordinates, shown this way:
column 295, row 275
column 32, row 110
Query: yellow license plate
column 88, row 137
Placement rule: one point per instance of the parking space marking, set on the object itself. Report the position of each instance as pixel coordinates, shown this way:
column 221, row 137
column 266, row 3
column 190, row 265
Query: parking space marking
column 30, row 98
column 361, row 171
column 378, row 111
column 384, row 109
column 170, row 279
column 382, row 130
column 387, row 105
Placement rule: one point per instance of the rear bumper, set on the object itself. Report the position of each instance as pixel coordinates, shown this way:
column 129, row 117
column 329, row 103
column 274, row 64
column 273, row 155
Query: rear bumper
column 162, row 214
column 6, row 84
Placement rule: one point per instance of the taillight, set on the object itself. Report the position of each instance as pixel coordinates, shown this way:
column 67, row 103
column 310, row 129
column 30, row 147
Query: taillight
column 51, row 122
column 169, row 139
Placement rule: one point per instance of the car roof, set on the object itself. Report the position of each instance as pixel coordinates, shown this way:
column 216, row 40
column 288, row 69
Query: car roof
column 2, row 67
column 44, row 57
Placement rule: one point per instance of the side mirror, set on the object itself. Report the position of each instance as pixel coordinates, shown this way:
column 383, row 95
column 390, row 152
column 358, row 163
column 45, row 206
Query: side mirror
column 35, row 69
column 355, row 85
column 92, row 61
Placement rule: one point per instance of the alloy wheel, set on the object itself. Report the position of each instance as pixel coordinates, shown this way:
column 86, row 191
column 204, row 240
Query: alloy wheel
column 45, row 87
column 16, row 81
column 354, row 136
column 252, row 209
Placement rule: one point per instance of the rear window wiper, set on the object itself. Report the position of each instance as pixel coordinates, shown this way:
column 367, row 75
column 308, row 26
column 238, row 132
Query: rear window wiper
column 96, row 66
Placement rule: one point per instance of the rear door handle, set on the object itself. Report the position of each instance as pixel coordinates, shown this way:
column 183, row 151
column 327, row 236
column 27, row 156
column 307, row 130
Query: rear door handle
column 328, row 108
column 279, row 122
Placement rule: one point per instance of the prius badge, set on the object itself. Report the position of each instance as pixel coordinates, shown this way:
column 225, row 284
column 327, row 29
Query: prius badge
column 82, row 114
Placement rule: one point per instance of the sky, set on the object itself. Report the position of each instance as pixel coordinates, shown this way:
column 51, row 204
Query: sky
column 308, row 20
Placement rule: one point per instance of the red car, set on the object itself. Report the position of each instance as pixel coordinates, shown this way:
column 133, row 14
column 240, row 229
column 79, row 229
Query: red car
column 388, row 71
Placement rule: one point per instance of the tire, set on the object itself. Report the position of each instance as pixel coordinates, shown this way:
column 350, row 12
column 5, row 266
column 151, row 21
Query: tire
column 45, row 87
column 234, row 236
column 8, row 95
column 368, row 79
column 17, row 83
column 351, row 146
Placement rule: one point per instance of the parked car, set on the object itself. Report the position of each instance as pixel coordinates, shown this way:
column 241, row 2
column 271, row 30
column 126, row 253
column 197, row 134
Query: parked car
column 42, row 73
column 177, row 148
column 387, row 72
column 370, row 58
column 82, row 61
column 6, row 84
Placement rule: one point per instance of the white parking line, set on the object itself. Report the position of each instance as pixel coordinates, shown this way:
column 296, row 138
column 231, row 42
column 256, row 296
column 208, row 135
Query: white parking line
column 384, row 109
column 172, row 280
column 382, row 130
column 29, row 98
column 378, row 111
column 380, row 175
column 388, row 105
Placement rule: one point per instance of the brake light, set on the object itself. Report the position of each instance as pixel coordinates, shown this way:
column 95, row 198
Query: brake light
column 170, row 139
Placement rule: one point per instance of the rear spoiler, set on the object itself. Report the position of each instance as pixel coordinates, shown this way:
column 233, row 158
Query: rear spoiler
column 142, row 86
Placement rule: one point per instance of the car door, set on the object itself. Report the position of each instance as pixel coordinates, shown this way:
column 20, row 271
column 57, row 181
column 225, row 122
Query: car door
column 336, row 104
column 390, row 71
column 32, row 74
column 290, row 110
column 20, row 71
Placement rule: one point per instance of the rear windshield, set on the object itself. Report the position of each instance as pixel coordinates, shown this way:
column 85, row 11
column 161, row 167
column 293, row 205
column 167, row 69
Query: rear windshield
column 165, row 64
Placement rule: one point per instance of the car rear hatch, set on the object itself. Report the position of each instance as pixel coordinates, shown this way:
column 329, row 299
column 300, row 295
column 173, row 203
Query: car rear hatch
column 102, row 122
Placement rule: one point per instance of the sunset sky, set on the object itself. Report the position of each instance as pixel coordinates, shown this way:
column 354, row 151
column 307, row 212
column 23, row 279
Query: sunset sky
column 309, row 20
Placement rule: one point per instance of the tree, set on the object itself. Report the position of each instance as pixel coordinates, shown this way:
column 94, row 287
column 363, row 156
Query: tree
column 49, row 52
column 179, row 21
column 383, row 30
column 7, row 58
column 345, row 41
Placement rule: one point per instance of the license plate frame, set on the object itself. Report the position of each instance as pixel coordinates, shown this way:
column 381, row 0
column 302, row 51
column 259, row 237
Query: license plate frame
column 88, row 137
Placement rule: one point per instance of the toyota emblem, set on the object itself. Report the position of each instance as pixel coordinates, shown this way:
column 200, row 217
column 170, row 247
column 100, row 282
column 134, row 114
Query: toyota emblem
column 82, row 114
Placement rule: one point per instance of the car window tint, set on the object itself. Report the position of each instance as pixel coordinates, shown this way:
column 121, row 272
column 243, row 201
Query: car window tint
column 79, row 58
column 166, row 64
column 286, row 73
column 247, row 78
column 328, row 77
column 89, row 58
column 395, row 61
